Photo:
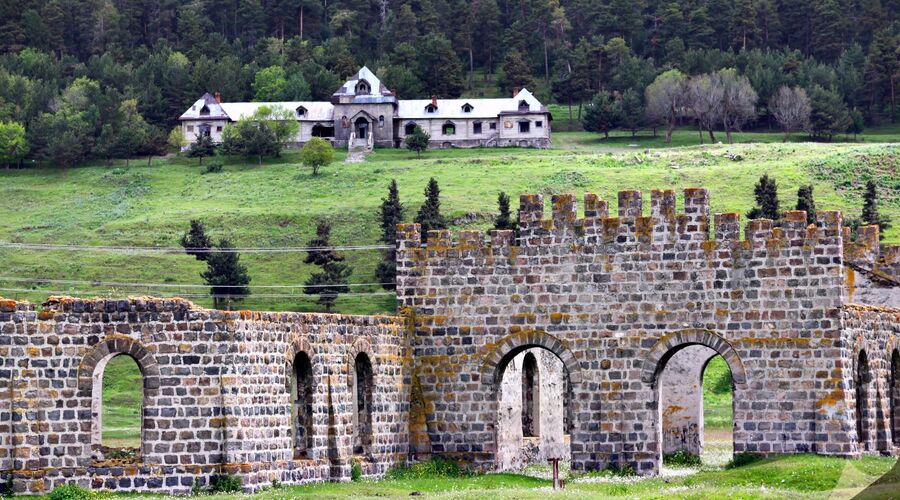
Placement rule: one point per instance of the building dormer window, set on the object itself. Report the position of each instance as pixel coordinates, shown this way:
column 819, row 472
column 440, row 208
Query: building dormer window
column 467, row 108
column 431, row 108
column 523, row 105
column 301, row 111
column 363, row 88
column 204, row 111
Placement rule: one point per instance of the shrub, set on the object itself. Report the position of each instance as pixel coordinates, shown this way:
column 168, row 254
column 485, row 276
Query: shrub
column 70, row 492
column 212, row 168
column 681, row 458
column 742, row 459
column 435, row 467
column 355, row 470
column 223, row 483
column 621, row 470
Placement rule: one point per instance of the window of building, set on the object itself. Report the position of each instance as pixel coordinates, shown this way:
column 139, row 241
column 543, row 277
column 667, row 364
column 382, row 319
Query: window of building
column 363, row 387
column 345, row 122
column 467, row 108
column 301, row 111
column 204, row 111
column 381, row 121
column 524, row 127
column 302, row 405
column 409, row 128
column 538, row 124
column 448, row 128
column 523, row 105
column 363, row 88
column 190, row 128
column 493, row 126
column 320, row 130
column 476, row 128
column 218, row 128
column 431, row 108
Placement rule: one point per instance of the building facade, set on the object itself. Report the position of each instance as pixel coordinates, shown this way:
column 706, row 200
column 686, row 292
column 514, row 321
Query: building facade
column 363, row 106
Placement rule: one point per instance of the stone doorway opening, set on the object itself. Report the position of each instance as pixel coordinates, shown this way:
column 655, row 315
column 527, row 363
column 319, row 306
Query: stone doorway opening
column 533, row 410
column 362, row 128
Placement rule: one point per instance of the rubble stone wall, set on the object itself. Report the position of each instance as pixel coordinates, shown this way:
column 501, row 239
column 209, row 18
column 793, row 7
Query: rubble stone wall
column 215, row 393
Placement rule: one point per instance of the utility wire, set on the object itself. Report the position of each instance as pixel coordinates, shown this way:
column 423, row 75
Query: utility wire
column 170, row 285
column 180, row 250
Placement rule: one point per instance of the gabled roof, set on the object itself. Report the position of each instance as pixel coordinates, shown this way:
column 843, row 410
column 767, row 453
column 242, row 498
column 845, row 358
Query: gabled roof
column 481, row 108
column 315, row 110
column 349, row 87
column 208, row 101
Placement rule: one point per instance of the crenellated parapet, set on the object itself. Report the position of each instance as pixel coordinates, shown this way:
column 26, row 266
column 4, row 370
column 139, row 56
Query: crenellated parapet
column 867, row 254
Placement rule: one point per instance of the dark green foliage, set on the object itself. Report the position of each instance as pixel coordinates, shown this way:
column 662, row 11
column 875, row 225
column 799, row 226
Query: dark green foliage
column 417, row 141
column 829, row 114
column 620, row 470
column 743, row 459
column 870, row 213
column 356, row 471
column 222, row 483
column 429, row 216
column 806, row 202
column 632, row 109
column 225, row 275
column 332, row 280
column 391, row 214
column 70, row 492
column 516, row 74
column 196, row 238
column 212, row 168
column 603, row 114
column 766, row 193
column 436, row 467
column 681, row 458
column 201, row 148
column 504, row 217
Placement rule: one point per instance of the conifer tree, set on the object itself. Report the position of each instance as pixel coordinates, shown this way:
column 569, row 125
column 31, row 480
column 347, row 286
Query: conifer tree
column 332, row 280
column 429, row 216
column 766, row 193
column 806, row 202
column 226, row 276
column 870, row 213
column 504, row 218
column 391, row 215
column 196, row 239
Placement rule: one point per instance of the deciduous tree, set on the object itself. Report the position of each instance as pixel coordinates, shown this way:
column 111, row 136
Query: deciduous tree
column 665, row 100
column 791, row 108
column 316, row 153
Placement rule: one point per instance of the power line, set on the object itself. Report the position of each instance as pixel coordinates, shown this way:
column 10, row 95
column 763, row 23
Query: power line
column 171, row 285
column 203, row 295
column 180, row 250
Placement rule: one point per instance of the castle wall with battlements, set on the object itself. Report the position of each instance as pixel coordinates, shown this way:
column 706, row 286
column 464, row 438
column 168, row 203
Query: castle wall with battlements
column 614, row 297
column 215, row 394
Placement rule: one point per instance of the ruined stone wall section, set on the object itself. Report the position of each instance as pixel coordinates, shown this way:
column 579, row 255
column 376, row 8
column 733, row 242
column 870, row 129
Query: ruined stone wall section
column 216, row 397
column 602, row 291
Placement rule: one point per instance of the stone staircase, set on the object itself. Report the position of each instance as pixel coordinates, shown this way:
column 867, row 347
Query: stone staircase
column 357, row 149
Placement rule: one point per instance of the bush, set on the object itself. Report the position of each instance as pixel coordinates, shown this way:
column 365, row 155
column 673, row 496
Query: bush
column 222, row 483
column 212, row 168
column 355, row 470
column 70, row 492
column 435, row 467
column 681, row 458
column 742, row 459
column 621, row 470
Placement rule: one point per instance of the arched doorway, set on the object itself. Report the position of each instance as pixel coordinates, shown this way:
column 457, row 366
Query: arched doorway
column 894, row 391
column 363, row 388
column 862, row 378
column 694, row 420
column 302, row 406
column 361, row 126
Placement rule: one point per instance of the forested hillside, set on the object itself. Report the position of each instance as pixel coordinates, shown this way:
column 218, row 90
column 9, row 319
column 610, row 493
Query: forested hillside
column 108, row 78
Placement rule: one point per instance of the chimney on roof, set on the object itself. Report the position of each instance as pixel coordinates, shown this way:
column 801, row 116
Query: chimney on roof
column 394, row 92
column 218, row 96
column 434, row 100
column 515, row 91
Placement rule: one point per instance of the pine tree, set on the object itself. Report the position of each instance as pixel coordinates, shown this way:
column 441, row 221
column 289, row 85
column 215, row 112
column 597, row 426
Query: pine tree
column 516, row 73
column 806, row 202
column 226, row 276
column 504, row 218
column 196, row 239
column 766, row 193
column 603, row 114
column 332, row 280
column 391, row 215
column 429, row 216
column 870, row 213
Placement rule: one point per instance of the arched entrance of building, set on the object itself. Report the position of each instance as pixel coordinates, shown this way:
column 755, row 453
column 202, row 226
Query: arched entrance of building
column 894, row 391
column 361, row 125
column 532, row 380
column 693, row 374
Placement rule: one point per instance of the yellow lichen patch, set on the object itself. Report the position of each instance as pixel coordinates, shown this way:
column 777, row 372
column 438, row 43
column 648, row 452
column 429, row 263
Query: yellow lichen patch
column 721, row 313
column 709, row 247
column 850, row 280
column 558, row 318
column 46, row 314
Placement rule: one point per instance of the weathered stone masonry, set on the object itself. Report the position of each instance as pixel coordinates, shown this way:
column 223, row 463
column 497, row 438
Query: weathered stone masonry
column 215, row 397
column 614, row 298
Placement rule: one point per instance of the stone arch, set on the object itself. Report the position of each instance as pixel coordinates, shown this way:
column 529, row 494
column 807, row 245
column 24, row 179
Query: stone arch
column 301, row 386
column 670, row 343
column 361, row 380
column 509, row 346
column 298, row 345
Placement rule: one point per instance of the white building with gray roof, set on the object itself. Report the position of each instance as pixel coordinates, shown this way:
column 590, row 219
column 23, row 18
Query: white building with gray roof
column 364, row 107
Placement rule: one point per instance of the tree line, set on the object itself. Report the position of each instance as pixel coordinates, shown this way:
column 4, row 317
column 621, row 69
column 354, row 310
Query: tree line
column 98, row 79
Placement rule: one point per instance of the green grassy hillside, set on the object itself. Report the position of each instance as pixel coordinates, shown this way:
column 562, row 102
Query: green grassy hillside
column 276, row 205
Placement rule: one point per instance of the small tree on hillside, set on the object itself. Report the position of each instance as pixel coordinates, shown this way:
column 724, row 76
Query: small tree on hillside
column 316, row 153
column 429, row 216
column 201, row 148
column 870, row 213
column 829, row 114
column 176, row 139
column 857, row 123
column 806, row 202
column 665, row 100
column 417, row 141
column 632, row 111
column 13, row 145
column 766, row 194
column 602, row 114
column 791, row 109
column 738, row 101
column 332, row 280
column 504, row 218
column 391, row 215
column 196, row 239
column 226, row 276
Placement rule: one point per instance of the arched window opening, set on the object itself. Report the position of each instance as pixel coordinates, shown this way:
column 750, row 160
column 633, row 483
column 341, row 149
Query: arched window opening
column 301, row 111
column 363, row 88
column 363, row 387
column 302, row 406
column 862, row 379
column 345, row 122
column 467, row 108
column 117, row 409
column 894, row 389
column 381, row 121
column 409, row 128
column 204, row 111
column 523, row 105
column 319, row 130
column 431, row 108
column 531, row 397
column 448, row 128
